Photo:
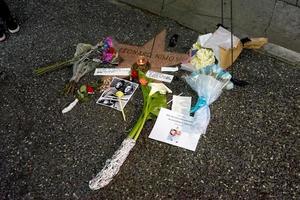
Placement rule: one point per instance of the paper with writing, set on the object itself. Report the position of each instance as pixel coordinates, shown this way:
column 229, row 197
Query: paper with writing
column 112, row 72
column 159, row 76
column 175, row 129
column 169, row 69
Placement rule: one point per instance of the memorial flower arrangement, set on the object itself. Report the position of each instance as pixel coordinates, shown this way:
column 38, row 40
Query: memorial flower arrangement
column 85, row 59
column 83, row 94
column 154, row 95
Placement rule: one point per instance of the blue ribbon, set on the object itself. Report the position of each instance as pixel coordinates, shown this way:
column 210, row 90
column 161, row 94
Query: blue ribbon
column 200, row 103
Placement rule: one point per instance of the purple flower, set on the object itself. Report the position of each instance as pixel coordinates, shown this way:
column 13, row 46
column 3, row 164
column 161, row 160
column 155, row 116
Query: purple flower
column 108, row 41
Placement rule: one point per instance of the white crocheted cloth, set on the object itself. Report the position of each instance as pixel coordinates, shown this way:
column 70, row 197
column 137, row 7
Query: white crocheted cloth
column 112, row 165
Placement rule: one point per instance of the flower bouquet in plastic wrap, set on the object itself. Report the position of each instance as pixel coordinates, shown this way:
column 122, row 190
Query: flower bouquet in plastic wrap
column 86, row 58
column 208, row 82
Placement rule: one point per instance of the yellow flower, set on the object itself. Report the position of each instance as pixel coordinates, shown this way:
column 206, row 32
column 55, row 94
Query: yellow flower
column 196, row 46
column 203, row 58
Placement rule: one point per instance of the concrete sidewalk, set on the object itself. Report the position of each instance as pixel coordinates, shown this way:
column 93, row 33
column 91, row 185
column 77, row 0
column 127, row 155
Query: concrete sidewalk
column 278, row 20
column 250, row 150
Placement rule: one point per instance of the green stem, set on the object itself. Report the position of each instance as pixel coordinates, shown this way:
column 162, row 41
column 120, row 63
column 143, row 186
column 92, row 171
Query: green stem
column 139, row 122
column 141, row 127
column 53, row 67
column 136, row 126
column 144, row 119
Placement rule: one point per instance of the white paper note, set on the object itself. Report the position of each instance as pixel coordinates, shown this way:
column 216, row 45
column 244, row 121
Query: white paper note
column 175, row 129
column 182, row 104
column 159, row 76
column 169, row 69
column 112, row 72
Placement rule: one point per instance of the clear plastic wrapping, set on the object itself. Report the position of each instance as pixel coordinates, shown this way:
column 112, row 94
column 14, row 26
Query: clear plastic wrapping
column 208, row 83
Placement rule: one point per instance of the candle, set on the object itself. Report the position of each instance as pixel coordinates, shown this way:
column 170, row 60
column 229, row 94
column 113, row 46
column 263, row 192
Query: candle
column 141, row 60
column 141, row 64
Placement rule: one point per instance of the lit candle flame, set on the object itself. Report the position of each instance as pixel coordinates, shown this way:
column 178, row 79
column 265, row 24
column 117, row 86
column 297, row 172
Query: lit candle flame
column 141, row 60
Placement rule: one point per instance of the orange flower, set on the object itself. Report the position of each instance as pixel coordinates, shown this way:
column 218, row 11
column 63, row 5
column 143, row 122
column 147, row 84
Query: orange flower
column 143, row 81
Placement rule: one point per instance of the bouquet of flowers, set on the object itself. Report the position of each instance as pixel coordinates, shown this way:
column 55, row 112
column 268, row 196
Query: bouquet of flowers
column 86, row 59
column 200, row 56
column 154, row 95
column 208, row 82
column 83, row 94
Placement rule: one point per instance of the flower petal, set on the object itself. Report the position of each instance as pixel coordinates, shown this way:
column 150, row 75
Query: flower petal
column 159, row 87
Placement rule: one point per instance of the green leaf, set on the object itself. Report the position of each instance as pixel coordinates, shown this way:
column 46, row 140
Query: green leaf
column 152, row 105
column 145, row 91
column 95, row 84
column 85, row 98
column 82, row 89
column 80, row 95
column 157, row 101
column 151, row 116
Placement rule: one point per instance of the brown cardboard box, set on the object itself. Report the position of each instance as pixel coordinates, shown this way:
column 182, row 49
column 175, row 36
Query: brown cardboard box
column 226, row 58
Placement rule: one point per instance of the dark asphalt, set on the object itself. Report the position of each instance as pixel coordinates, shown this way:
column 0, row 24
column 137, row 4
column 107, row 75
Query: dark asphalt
column 250, row 151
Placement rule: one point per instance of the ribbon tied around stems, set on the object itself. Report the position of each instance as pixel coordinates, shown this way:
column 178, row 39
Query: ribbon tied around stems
column 201, row 102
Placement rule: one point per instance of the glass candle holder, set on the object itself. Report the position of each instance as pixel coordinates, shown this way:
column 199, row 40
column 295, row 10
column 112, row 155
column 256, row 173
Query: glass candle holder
column 142, row 64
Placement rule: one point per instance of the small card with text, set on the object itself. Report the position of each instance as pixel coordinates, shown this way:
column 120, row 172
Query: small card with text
column 112, row 72
column 159, row 76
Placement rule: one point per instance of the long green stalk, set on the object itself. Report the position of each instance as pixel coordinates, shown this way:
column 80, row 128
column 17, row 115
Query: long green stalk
column 144, row 119
column 53, row 67
column 63, row 64
column 140, row 128
column 136, row 127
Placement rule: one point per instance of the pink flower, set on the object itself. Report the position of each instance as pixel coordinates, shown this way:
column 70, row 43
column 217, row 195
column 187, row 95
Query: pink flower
column 107, row 57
